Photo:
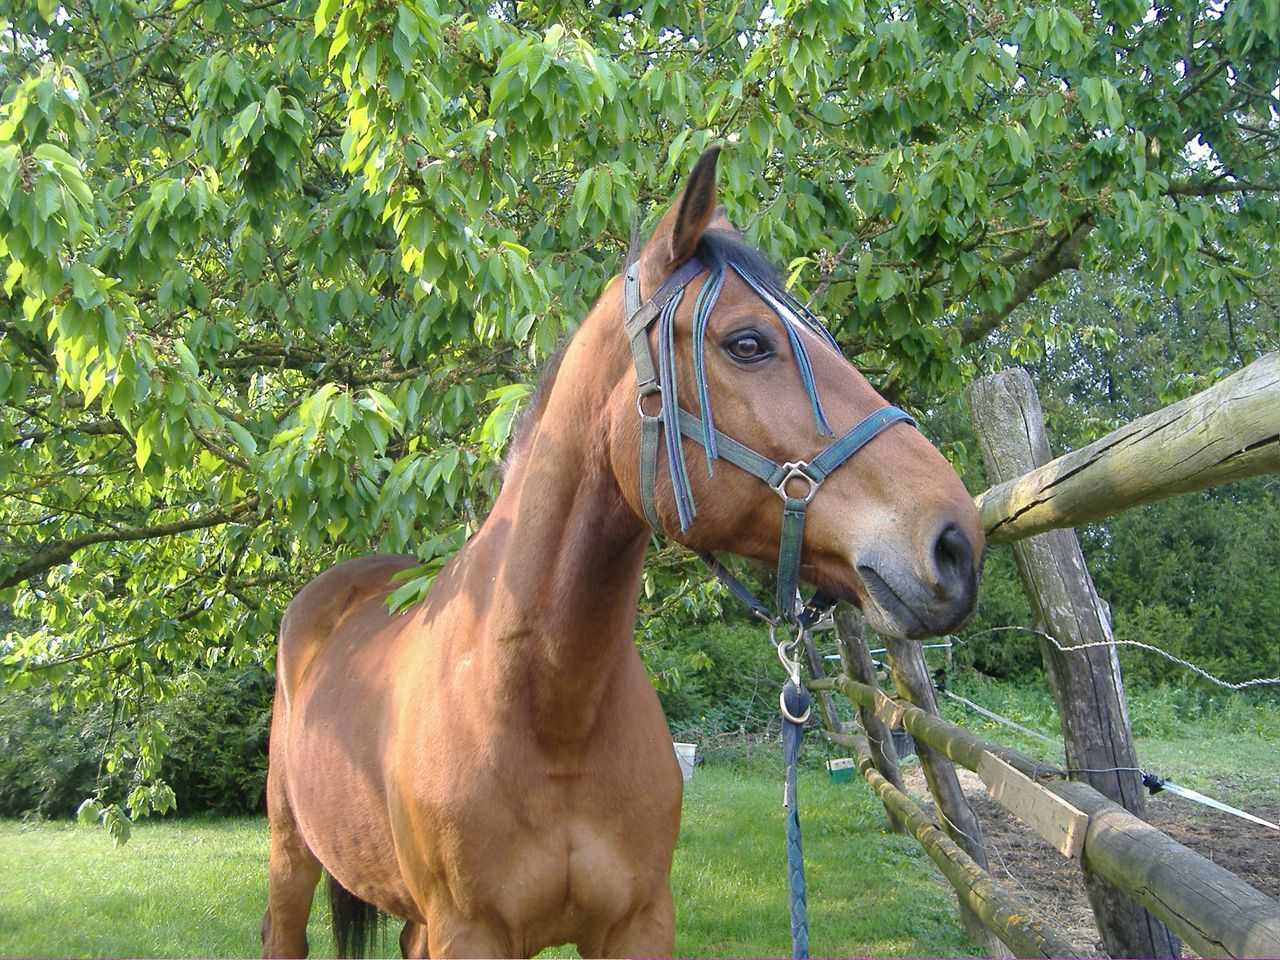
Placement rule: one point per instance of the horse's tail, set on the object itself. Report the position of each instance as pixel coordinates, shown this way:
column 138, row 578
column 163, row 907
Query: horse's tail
column 356, row 924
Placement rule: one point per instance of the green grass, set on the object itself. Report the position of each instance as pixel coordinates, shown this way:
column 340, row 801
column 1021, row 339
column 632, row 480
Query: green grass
column 197, row 887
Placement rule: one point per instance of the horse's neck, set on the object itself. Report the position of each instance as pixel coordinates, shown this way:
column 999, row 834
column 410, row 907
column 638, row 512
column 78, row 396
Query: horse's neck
column 564, row 599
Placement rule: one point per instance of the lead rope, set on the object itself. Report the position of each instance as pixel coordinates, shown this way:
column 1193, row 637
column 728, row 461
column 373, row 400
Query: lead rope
column 795, row 704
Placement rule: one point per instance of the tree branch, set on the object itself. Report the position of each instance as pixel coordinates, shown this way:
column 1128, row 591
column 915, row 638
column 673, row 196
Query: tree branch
column 1187, row 188
column 29, row 347
column 101, row 427
column 51, row 555
column 1062, row 254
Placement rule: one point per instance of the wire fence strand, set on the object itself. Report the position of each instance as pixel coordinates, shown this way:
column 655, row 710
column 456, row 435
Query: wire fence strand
column 1244, row 685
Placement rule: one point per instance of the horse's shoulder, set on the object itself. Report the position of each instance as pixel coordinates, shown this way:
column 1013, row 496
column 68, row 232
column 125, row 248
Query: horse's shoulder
column 318, row 607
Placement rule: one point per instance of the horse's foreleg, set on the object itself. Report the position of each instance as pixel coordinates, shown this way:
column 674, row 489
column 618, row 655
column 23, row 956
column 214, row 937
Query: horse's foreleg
column 650, row 932
column 413, row 940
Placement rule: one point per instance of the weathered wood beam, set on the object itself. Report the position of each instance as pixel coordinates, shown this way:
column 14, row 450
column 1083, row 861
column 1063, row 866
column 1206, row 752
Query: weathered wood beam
column 1214, row 910
column 958, row 744
column 1006, row 914
column 1086, row 682
column 1228, row 432
column 911, row 677
column 855, row 660
column 1219, row 914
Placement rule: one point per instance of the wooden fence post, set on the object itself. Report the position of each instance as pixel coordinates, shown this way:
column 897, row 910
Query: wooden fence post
column 831, row 719
column 958, row 821
column 1086, row 684
column 855, row 661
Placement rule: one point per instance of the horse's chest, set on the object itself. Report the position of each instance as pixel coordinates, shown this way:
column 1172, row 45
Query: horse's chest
column 540, row 849
column 543, row 850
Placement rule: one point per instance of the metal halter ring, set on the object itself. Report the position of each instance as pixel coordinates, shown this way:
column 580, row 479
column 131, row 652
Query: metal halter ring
column 653, row 390
column 795, row 471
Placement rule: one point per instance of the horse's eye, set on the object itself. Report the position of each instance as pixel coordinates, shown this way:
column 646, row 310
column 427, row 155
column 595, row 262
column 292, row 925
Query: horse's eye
column 748, row 347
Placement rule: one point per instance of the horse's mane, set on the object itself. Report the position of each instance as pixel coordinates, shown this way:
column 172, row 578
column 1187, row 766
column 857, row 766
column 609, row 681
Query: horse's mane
column 720, row 248
column 529, row 417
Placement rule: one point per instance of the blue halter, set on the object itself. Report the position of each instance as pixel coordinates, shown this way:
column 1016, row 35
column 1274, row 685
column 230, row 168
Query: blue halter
column 795, row 482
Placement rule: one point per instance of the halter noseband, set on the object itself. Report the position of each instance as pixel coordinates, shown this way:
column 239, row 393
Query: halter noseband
column 782, row 478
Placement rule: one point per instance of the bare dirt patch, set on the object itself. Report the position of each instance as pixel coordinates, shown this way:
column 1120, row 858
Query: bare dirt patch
column 1031, row 867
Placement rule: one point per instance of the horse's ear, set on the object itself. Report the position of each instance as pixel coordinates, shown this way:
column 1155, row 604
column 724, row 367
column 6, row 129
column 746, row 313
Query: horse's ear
column 681, row 227
column 696, row 208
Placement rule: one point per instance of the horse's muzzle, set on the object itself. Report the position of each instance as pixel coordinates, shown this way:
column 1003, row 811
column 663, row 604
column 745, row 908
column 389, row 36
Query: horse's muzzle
column 936, row 597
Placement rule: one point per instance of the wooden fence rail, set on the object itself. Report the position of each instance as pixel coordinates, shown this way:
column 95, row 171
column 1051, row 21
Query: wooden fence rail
column 1214, row 910
column 1228, row 432
column 1003, row 912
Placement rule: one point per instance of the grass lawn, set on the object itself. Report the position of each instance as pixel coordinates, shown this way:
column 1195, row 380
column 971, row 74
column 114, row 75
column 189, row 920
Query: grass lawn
column 197, row 887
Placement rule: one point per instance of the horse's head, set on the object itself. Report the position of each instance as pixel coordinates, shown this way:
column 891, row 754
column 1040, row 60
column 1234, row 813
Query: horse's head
column 890, row 528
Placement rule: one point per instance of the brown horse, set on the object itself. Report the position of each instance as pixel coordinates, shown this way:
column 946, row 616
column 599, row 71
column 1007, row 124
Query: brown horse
column 493, row 765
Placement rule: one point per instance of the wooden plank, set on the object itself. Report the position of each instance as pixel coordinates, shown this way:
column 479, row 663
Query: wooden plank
column 1230, row 431
column 1053, row 818
column 889, row 710
column 1012, row 920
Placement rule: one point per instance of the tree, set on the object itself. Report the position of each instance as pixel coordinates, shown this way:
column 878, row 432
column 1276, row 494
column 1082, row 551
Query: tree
column 1191, row 574
column 277, row 274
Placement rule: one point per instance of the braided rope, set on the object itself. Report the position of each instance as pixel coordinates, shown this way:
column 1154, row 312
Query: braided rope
column 792, row 733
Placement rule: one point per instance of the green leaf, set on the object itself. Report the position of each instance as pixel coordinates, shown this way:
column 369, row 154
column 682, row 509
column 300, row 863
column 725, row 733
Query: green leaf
column 89, row 812
column 324, row 13
column 272, row 104
column 248, row 117
column 1111, row 103
column 243, row 437
column 55, row 156
column 142, row 451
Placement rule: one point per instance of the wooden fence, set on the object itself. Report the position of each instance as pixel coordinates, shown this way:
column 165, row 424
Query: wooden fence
column 1142, row 884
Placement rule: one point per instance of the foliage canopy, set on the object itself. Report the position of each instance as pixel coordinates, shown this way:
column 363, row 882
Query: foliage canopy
column 276, row 273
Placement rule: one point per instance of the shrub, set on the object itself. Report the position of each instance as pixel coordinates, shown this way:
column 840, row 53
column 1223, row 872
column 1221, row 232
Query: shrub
column 51, row 760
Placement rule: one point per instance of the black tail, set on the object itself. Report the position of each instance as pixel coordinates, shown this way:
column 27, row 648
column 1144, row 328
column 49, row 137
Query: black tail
column 356, row 924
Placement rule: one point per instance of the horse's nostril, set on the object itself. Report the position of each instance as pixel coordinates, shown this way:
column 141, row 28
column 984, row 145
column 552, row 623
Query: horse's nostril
column 953, row 559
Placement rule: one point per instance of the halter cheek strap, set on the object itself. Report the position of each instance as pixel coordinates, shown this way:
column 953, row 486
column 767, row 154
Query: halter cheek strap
column 796, row 482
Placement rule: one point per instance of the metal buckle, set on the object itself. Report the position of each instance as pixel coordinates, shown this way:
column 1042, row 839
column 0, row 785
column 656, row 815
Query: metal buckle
column 649, row 390
column 795, row 471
